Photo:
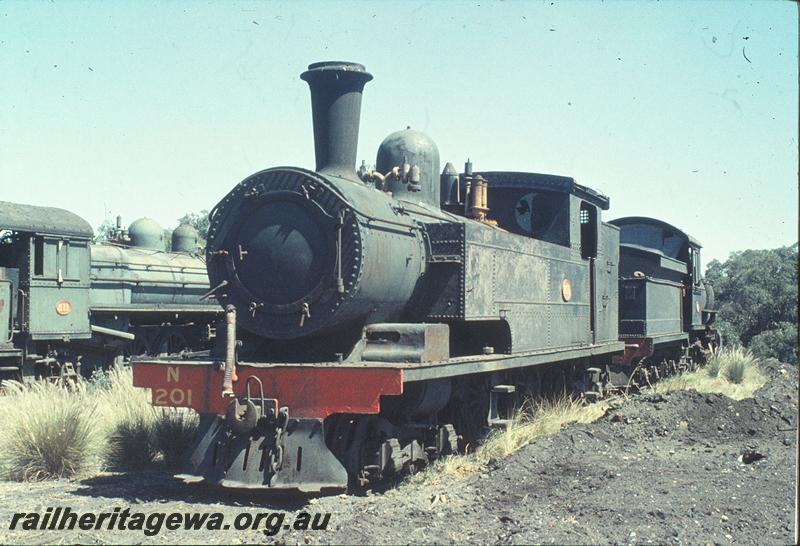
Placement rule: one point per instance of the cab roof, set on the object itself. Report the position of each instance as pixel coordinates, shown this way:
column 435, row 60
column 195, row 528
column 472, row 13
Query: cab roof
column 548, row 182
column 45, row 220
column 644, row 220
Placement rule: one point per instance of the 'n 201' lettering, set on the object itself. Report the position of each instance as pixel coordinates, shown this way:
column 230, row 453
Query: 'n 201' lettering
column 172, row 397
column 173, row 374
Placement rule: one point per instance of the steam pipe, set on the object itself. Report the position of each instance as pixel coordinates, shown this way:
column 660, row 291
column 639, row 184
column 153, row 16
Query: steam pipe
column 230, row 350
column 336, row 89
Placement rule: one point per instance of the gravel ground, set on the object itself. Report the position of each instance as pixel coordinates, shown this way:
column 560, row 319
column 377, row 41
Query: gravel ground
column 676, row 468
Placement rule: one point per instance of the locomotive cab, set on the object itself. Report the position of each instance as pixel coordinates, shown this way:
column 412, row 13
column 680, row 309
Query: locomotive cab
column 663, row 294
column 44, row 297
column 559, row 211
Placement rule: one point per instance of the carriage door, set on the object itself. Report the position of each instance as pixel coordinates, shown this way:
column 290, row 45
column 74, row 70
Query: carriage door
column 6, row 291
column 57, row 304
column 588, row 219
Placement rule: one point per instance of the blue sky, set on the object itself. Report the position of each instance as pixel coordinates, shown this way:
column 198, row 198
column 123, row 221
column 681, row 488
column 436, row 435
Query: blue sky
column 686, row 111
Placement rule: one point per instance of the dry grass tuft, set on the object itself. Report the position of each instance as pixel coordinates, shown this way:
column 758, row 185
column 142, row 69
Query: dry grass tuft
column 733, row 372
column 735, row 363
column 131, row 446
column 174, row 432
column 535, row 420
column 53, row 432
column 713, row 366
column 532, row 421
column 127, row 421
column 48, row 432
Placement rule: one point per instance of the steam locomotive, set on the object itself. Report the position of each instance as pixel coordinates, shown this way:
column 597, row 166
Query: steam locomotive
column 380, row 318
column 69, row 306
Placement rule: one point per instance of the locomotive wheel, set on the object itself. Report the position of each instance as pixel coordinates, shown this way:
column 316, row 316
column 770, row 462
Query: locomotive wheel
column 173, row 342
column 469, row 409
column 338, row 433
column 138, row 347
column 716, row 344
column 344, row 442
column 528, row 386
column 635, row 379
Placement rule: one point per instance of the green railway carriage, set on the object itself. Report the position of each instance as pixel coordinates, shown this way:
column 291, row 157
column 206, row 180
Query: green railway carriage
column 66, row 303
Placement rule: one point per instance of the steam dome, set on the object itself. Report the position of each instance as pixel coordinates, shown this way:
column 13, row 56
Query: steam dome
column 185, row 239
column 146, row 233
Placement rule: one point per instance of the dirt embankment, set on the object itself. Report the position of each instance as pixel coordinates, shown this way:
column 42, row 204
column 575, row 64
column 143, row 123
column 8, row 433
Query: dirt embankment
column 679, row 468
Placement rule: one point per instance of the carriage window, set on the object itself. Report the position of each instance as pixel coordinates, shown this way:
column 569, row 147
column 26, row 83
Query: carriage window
column 63, row 258
column 38, row 256
column 6, row 248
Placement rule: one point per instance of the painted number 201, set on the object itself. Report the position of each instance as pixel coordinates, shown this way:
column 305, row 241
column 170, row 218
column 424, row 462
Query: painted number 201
column 174, row 397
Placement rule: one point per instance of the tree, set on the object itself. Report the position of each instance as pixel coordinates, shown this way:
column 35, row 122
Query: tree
column 198, row 220
column 779, row 342
column 756, row 294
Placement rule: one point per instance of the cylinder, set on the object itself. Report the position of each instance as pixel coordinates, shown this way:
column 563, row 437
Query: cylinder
column 336, row 89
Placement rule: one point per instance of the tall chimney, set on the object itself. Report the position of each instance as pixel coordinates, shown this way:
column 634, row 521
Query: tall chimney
column 336, row 108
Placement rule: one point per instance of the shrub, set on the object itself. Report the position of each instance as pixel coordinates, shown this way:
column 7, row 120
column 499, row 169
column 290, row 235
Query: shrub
column 48, row 432
column 732, row 371
column 728, row 331
column 734, row 363
column 128, row 421
column 712, row 366
column 54, row 432
column 131, row 445
column 779, row 342
column 175, row 431
column 756, row 290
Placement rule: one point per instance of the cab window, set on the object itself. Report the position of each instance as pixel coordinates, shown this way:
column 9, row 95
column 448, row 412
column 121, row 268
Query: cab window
column 695, row 265
column 45, row 257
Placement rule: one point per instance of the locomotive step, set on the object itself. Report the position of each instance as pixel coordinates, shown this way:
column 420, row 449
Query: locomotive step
column 500, row 423
column 504, row 389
